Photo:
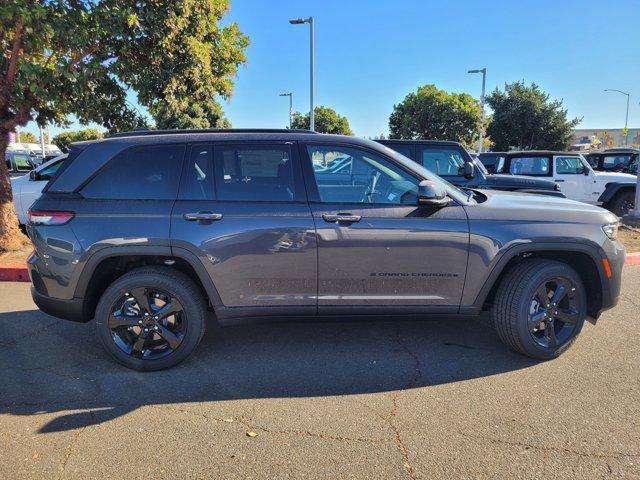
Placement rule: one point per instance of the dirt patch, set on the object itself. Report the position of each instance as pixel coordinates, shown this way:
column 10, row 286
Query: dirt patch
column 17, row 258
column 630, row 238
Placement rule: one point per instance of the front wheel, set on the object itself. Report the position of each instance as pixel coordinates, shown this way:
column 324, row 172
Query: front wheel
column 151, row 318
column 624, row 203
column 540, row 308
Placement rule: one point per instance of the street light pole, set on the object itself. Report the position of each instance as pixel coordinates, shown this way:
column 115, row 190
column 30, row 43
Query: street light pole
column 299, row 21
column 482, row 96
column 290, row 95
column 626, row 118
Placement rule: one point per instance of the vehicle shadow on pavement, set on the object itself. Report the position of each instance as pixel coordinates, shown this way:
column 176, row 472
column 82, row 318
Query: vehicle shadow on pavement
column 53, row 366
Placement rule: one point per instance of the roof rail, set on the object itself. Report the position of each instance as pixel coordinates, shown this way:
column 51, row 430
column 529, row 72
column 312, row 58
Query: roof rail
column 143, row 132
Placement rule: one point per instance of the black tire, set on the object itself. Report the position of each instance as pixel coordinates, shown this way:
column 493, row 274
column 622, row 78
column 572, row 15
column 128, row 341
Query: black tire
column 180, row 289
column 623, row 203
column 516, row 298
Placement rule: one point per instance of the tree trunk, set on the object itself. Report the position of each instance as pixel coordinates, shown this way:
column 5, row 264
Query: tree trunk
column 11, row 237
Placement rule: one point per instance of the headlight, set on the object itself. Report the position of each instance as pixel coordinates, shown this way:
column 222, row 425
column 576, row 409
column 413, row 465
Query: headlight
column 611, row 230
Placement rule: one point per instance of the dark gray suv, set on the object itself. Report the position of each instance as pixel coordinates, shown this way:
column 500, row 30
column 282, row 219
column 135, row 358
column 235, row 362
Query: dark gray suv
column 148, row 232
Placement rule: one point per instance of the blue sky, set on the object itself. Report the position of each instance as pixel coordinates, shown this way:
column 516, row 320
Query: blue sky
column 370, row 54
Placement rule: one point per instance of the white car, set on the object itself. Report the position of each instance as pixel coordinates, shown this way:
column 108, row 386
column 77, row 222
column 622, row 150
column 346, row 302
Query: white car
column 577, row 179
column 28, row 188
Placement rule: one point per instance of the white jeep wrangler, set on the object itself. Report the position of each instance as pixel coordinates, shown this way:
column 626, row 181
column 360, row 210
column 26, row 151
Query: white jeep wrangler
column 577, row 179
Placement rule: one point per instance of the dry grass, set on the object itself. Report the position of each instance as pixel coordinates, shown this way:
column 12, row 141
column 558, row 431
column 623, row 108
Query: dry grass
column 16, row 258
column 630, row 238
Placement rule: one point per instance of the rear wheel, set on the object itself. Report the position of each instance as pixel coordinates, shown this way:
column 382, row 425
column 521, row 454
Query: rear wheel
column 540, row 308
column 623, row 203
column 151, row 318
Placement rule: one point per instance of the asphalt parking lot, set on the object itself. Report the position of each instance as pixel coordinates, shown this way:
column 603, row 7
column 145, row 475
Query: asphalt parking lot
column 369, row 399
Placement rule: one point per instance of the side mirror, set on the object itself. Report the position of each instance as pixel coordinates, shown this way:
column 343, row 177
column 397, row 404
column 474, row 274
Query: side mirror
column 431, row 193
column 32, row 175
column 468, row 170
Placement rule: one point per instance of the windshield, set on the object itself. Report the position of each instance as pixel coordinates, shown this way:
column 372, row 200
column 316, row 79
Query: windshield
column 23, row 163
column 458, row 194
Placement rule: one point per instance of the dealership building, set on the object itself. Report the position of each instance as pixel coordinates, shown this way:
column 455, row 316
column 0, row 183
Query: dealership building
column 589, row 139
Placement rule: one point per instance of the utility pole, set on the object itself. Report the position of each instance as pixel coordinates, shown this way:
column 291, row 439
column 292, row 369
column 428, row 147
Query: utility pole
column 626, row 118
column 299, row 21
column 484, row 80
column 290, row 95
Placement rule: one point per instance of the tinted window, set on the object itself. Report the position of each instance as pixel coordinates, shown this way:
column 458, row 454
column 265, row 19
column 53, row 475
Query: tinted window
column 442, row 161
column 569, row 166
column 254, row 173
column 530, row 166
column 47, row 172
column 139, row 174
column 8, row 162
column 23, row 163
column 403, row 150
column 197, row 178
column 615, row 162
column 356, row 176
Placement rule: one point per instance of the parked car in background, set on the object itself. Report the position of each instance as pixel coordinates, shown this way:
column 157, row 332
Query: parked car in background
column 451, row 161
column 28, row 188
column 579, row 181
column 18, row 163
column 623, row 160
column 492, row 161
column 150, row 232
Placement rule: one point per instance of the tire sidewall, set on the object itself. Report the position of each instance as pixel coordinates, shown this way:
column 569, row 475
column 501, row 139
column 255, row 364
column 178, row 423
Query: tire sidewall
column 192, row 315
column 546, row 273
column 621, row 200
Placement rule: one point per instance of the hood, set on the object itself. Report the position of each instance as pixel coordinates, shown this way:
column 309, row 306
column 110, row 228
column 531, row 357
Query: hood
column 519, row 181
column 517, row 206
column 609, row 177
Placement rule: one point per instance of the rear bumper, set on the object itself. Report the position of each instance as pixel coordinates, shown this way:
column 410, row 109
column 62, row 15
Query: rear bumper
column 66, row 309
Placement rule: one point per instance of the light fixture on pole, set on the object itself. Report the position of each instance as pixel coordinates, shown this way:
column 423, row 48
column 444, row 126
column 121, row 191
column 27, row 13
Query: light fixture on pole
column 483, row 71
column 626, row 118
column 290, row 95
column 300, row 21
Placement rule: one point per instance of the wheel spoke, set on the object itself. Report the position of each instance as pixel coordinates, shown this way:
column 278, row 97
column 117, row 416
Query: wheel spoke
column 171, row 338
column 543, row 295
column 562, row 289
column 119, row 319
column 550, row 334
column 534, row 321
column 169, row 309
column 141, row 295
column 139, row 344
column 568, row 316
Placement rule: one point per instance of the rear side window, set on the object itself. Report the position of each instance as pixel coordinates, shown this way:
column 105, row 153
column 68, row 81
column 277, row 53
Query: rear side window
column 254, row 173
column 442, row 161
column 615, row 162
column 197, row 178
column 530, row 166
column 141, row 173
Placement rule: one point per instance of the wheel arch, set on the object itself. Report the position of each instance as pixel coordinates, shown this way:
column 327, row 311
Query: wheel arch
column 585, row 259
column 109, row 264
column 613, row 189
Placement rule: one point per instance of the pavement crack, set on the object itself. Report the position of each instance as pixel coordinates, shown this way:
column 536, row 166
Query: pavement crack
column 549, row 448
column 70, row 449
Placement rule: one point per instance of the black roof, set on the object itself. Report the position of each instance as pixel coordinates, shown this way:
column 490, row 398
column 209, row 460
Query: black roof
column 418, row 142
column 538, row 153
column 620, row 150
column 144, row 132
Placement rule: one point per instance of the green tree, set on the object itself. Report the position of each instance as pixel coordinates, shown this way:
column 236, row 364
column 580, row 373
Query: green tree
column 59, row 58
column 189, row 114
column 326, row 120
column 28, row 137
column 434, row 114
column 525, row 118
column 62, row 140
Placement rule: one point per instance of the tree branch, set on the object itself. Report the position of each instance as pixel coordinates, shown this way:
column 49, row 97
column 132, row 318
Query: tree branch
column 13, row 64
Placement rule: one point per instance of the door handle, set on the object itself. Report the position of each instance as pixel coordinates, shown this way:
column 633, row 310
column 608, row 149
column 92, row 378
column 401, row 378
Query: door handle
column 341, row 218
column 202, row 216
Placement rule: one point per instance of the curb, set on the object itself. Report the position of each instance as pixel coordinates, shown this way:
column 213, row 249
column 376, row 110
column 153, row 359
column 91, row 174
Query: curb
column 633, row 259
column 14, row 274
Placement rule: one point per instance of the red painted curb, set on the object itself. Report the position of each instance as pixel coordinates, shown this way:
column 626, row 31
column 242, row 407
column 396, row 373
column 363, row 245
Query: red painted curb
column 14, row 274
column 633, row 258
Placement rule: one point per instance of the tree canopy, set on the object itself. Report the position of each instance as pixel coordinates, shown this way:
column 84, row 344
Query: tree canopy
column 189, row 114
column 433, row 114
column 28, row 137
column 61, row 58
column 525, row 118
column 62, row 140
column 326, row 120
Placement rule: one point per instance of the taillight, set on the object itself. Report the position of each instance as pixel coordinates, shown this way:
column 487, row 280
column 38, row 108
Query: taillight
column 48, row 217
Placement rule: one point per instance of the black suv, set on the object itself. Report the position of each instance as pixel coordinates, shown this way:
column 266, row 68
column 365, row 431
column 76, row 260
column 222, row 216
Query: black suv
column 623, row 160
column 149, row 232
column 451, row 161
